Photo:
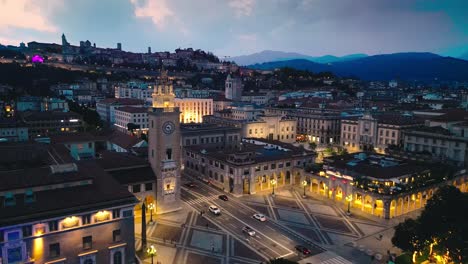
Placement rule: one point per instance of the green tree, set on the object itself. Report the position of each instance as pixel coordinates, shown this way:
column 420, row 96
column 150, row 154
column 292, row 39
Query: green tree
column 442, row 227
column 312, row 145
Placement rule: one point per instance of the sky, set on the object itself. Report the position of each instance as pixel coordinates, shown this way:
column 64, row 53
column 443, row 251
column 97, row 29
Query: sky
column 239, row 27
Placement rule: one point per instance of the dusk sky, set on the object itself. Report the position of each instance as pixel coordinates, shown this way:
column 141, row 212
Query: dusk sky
column 238, row 27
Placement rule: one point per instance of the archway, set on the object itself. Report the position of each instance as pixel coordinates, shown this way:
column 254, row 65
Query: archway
column 339, row 194
column 379, row 208
column 399, row 209
column 297, row 178
column 314, row 186
column 393, row 206
column 368, row 204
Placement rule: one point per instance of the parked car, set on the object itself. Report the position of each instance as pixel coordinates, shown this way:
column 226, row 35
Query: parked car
column 302, row 249
column 191, row 185
column 215, row 210
column 260, row 217
column 223, row 197
column 249, row 231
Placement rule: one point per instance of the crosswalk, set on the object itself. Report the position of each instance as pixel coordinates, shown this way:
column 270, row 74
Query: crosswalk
column 201, row 199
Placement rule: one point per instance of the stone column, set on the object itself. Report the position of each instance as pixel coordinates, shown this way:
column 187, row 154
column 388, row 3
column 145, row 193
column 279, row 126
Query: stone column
column 386, row 208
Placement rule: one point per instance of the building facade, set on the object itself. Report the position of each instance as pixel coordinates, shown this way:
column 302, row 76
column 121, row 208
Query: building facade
column 164, row 146
column 44, row 222
column 137, row 116
column 375, row 132
column 13, row 130
column 233, row 88
column 51, row 123
column 106, row 108
column 380, row 185
column 193, row 109
column 255, row 165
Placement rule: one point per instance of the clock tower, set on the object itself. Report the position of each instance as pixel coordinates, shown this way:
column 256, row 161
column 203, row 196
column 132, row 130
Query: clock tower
column 164, row 146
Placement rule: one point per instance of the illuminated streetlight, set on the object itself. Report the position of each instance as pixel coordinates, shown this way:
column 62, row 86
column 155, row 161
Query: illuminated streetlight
column 151, row 251
column 273, row 183
column 349, row 198
column 151, row 207
column 304, row 183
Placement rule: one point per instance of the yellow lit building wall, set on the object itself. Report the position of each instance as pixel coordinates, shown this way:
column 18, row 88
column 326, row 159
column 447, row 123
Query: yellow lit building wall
column 193, row 109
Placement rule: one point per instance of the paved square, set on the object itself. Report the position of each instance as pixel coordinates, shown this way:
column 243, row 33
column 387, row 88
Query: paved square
column 285, row 202
column 291, row 216
column 202, row 221
column 207, row 241
column 310, row 233
column 322, row 209
column 167, row 232
column 332, row 223
column 202, row 259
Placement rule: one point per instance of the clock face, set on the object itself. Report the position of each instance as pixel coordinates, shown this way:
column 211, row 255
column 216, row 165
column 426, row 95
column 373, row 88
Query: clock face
column 168, row 127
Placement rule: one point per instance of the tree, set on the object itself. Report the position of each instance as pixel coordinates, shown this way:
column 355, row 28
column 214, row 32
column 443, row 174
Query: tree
column 441, row 228
column 312, row 145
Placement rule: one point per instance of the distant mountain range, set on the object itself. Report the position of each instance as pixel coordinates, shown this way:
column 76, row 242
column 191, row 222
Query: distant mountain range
column 405, row 66
column 270, row 55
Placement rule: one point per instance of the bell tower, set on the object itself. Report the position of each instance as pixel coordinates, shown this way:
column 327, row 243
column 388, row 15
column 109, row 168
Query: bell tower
column 164, row 146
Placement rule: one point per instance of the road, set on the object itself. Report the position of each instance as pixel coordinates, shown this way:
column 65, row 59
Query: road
column 272, row 240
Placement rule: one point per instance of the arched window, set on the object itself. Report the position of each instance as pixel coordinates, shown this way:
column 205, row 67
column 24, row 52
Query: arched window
column 118, row 257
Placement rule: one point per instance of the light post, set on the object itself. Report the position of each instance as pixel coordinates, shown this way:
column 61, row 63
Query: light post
column 273, row 183
column 151, row 251
column 151, row 208
column 349, row 198
column 304, row 183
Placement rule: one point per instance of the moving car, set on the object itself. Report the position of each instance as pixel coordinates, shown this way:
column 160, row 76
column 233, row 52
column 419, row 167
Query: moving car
column 223, row 197
column 215, row 210
column 260, row 217
column 302, row 249
column 248, row 231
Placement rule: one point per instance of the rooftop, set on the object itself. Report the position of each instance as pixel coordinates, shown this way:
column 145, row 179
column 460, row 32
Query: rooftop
column 102, row 192
column 374, row 165
column 121, row 101
column 130, row 109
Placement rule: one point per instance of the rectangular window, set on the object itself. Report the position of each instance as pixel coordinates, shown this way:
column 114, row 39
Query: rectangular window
column 127, row 213
column 288, row 164
column 273, row 166
column 116, row 235
column 86, row 219
column 53, row 225
column 136, row 188
column 115, row 213
column 90, row 145
column 148, row 186
column 27, row 231
column 54, row 250
column 87, row 242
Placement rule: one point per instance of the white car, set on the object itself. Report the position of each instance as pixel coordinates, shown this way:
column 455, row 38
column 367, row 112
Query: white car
column 215, row 210
column 260, row 217
column 249, row 231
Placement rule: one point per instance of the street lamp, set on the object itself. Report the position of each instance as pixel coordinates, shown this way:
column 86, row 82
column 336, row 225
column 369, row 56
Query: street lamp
column 151, row 251
column 349, row 198
column 273, row 182
column 151, row 208
column 304, row 183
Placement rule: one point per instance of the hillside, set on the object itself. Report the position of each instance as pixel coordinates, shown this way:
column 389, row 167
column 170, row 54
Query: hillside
column 405, row 66
column 269, row 55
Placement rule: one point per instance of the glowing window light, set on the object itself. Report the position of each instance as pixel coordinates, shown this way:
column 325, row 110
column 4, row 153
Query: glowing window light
column 102, row 216
column 69, row 222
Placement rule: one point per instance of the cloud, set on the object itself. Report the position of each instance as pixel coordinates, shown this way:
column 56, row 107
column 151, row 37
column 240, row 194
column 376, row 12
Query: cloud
column 157, row 10
column 242, row 7
column 27, row 14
